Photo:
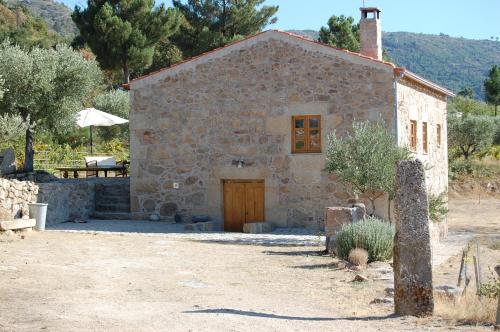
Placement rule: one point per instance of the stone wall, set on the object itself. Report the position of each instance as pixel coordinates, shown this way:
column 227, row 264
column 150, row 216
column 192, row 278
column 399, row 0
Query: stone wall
column 415, row 103
column 14, row 198
column 189, row 124
column 68, row 199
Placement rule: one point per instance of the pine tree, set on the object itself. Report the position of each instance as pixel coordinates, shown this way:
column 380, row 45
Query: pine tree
column 341, row 32
column 209, row 24
column 123, row 33
column 492, row 87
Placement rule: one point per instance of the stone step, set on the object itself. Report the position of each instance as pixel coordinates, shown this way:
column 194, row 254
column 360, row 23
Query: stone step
column 6, row 225
column 122, row 207
column 112, row 194
column 114, row 187
column 113, row 200
column 111, row 216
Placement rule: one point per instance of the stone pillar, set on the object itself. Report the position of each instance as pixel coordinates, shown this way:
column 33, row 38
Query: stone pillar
column 412, row 246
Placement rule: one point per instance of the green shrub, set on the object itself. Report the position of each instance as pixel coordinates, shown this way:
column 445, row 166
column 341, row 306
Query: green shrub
column 437, row 207
column 472, row 168
column 372, row 234
column 490, row 289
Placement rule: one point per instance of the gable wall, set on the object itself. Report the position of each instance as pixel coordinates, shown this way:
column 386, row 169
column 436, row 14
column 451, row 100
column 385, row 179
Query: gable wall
column 188, row 127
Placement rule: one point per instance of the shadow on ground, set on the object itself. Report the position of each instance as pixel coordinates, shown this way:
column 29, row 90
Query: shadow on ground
column 274, row 316
column 264, row 241
column 331, row 266
column 297, row 253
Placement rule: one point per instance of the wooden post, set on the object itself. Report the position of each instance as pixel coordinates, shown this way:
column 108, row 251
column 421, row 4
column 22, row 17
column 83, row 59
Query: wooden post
column 461, row 272
column 478, row 255
column 497, row 324
column 476, row 272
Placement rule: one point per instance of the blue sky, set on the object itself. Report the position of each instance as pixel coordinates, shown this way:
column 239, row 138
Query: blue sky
column 477, row 19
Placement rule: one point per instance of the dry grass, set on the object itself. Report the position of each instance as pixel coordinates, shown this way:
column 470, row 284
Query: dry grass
column 468, row 309
column 358, row 257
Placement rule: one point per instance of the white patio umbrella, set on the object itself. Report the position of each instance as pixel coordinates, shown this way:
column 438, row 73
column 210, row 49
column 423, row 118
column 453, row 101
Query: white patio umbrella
column 91, row 117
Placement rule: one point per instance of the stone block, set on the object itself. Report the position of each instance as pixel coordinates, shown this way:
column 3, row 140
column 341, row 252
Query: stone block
column 258, row 227
column 335, row 218
column 17, row 224
column 413, row 293
column 7, row 161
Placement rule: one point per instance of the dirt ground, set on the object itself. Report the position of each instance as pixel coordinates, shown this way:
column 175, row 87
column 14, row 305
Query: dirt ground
column 59, row 281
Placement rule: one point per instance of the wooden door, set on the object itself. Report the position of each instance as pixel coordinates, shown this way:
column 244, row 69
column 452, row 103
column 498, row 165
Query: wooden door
column 243, row 203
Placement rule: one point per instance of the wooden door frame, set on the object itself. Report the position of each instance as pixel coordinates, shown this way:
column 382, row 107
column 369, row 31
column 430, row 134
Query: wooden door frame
column 224, row 181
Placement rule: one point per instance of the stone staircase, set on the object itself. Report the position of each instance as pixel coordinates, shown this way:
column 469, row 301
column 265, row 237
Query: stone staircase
column 112, row 201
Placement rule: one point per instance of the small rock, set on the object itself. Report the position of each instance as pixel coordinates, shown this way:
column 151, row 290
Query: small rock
column 382, row 300
column 360, row 278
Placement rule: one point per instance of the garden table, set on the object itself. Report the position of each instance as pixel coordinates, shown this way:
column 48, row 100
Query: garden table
column 66, row 170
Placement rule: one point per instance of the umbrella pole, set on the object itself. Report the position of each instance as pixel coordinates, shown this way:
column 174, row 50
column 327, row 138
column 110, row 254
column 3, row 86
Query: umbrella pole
column 91, row 152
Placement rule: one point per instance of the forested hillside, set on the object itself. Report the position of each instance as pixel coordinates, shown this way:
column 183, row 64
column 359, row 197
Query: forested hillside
column 455, row 63
column 20, row 27
column 57, row 16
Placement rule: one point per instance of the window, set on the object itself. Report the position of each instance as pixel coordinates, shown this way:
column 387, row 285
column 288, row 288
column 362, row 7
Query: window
column 306, row 134
column 413, row 135
column 438, row 135
column 425, row 141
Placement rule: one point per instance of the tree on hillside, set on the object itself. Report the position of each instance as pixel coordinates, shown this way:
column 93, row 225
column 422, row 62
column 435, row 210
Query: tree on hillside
column 213, row 23
column 123, row 33
column 492, row 87
column 366, row 159
column 470, row 134
column 45, row 88
column 467, row 93
column 341, row 32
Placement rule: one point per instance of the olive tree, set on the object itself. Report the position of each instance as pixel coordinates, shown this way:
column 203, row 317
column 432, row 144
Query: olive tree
column 46, row 88
column 365, row 159
column 470, row 134
column 117, row 103
column 11, row 126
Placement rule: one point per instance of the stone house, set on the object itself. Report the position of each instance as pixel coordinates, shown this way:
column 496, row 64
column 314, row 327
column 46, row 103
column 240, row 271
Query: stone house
column 240, row 133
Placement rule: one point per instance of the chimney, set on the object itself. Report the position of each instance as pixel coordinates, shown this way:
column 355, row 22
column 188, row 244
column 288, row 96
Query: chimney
column 370, row 32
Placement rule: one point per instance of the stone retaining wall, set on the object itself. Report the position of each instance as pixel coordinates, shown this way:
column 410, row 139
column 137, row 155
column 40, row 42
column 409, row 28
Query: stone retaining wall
column 14, row 198
column 68, row 199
